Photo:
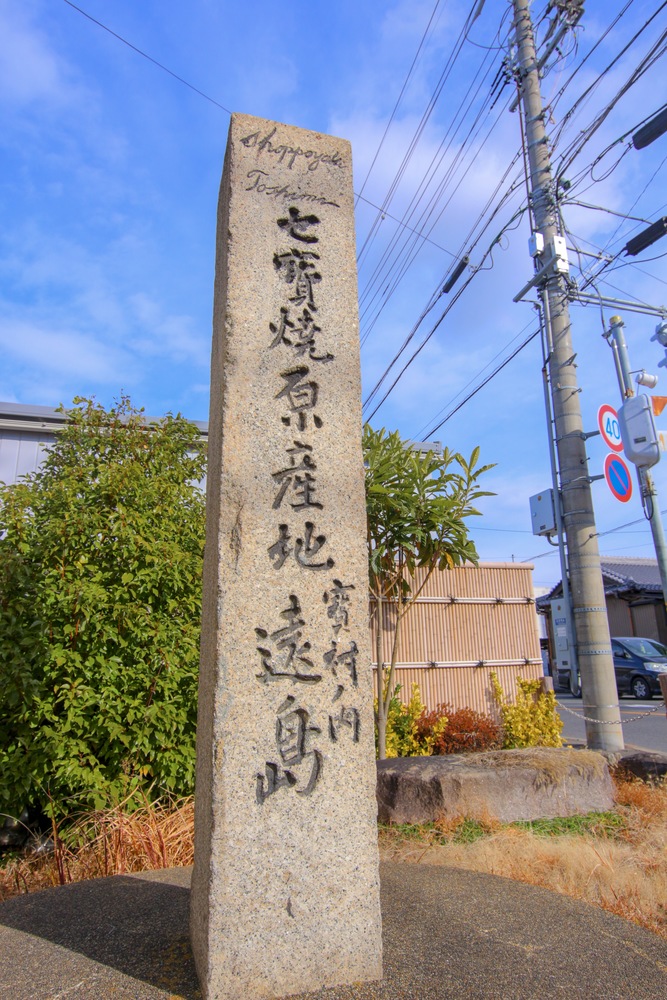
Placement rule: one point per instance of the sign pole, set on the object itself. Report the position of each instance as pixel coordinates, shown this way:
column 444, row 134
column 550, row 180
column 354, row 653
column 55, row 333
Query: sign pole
column 649, row 493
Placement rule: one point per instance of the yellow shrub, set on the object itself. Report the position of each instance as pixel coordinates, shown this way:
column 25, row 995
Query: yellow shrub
column 533, row 720
column 405, row 738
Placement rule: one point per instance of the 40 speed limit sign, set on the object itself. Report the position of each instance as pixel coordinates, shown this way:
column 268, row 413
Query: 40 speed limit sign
column 609, row 427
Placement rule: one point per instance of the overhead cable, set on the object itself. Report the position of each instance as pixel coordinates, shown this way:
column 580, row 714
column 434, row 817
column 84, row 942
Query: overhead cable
column 145, row 55
column 399, row 98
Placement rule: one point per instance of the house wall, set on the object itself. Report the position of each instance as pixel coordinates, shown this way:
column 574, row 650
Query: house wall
column 644, row 621
column 619, row 616
column 467, row 622
column 21, row 452
column 647, row 619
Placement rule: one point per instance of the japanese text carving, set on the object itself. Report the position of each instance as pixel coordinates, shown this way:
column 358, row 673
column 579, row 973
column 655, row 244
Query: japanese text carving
column 283, row 654
column 293, row 735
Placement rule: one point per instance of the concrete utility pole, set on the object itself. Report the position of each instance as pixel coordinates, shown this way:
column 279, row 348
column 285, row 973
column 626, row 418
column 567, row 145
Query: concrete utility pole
column 649, row 492
column 594, row 654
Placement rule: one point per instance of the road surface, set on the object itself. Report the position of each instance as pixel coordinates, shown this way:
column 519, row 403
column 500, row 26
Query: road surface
column 644, row 722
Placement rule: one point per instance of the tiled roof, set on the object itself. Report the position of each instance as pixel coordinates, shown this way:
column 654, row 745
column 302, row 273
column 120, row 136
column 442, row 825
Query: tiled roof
column 620, row 574
column 631, row 574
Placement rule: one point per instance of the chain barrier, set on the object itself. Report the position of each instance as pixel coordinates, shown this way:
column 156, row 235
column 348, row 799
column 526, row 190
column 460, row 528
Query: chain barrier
column 607, row 722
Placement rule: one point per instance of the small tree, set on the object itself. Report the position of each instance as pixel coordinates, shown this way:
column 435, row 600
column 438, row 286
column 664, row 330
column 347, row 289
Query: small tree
column 100, row 594
column 416, row 507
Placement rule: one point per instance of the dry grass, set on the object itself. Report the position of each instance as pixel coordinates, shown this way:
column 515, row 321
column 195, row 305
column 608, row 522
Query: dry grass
column 621, row 868
column 109, row 842
column 618, row 862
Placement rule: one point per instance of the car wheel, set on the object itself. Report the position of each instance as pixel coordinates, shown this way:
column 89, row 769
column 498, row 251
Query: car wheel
column 640, row 688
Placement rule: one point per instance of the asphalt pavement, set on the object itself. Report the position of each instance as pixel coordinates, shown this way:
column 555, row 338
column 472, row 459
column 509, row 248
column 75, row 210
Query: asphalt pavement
column 644, row 722
column 447, row 935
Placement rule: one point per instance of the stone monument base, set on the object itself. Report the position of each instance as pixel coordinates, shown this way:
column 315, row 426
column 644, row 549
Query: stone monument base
column 446, row 934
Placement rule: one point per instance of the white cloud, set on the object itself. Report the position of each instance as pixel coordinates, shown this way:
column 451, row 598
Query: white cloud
column 173, row 337
column 74, row 353
column 30, row 69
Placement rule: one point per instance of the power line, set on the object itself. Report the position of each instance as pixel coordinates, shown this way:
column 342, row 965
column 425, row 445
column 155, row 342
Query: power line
column 145, row 55
column 485, row 382
column 438, row 292
column 407, row 254
column 399, row 99
column 453, row 301
column 415, row 138
column 388, row 291
column 599, row 534
column 586, row 134
column 421, row 433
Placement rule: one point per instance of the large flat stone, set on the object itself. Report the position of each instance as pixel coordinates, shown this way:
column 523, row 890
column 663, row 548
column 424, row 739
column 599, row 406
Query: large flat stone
column 506, row 785
column 644, row 764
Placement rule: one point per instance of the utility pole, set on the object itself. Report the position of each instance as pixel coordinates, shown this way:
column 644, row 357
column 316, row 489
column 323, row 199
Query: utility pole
column 649, row 493
column 594, row 654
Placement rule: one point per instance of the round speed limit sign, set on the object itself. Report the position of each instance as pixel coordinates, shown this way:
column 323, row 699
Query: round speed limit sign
column 609, row 428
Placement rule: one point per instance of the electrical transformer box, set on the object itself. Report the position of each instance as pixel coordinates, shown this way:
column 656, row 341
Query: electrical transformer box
column 542, row 515
column 638, row 433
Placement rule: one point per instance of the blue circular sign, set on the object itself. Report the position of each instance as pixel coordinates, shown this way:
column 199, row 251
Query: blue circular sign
column 618, row 477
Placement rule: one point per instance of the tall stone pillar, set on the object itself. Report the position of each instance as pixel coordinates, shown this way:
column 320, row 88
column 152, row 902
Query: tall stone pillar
column 285, row 892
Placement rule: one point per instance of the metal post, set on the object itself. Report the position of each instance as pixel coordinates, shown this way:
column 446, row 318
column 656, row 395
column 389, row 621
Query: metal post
column 649, row 492
column 589, row 609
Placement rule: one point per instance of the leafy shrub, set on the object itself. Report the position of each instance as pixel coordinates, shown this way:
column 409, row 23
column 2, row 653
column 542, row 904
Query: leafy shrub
column 406, row 737
column 463, row 730
column 532, row 721
column 100, row 600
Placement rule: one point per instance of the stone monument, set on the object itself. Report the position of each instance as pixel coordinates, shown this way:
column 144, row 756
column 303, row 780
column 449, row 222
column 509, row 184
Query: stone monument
column 285, row 892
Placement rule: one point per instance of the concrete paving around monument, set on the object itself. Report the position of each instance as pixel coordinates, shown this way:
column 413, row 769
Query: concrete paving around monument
column 447, row 934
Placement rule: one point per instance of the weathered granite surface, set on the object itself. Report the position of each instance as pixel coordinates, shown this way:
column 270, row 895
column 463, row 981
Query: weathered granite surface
column 285, row 892
column 506, row 785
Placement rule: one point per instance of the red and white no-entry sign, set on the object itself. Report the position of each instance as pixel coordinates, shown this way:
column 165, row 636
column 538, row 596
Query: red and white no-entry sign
column 609, row 427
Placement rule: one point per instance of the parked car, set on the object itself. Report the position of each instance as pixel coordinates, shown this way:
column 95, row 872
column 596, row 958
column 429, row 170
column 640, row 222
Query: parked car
column 638, row 663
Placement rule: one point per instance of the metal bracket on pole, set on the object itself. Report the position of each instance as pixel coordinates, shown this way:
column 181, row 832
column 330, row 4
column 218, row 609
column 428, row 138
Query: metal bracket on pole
column 573, row 484
column 538, row 277
column 601, row 300
column 584, row 435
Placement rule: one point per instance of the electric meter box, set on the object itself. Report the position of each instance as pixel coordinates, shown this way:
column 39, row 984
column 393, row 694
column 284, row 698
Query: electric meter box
column 542, row 515
column 638, row 433
column 563, row 653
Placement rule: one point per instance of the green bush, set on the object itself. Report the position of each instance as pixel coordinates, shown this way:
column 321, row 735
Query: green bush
column 100, row 594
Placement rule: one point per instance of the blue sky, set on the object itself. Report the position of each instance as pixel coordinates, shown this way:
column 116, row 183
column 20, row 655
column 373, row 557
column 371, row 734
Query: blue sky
column 109, row 185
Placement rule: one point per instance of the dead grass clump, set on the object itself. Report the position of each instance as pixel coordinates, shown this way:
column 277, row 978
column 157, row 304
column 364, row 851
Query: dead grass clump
column 650, row 798
column 553, row 765
column 108, row 842
column 623, row 869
